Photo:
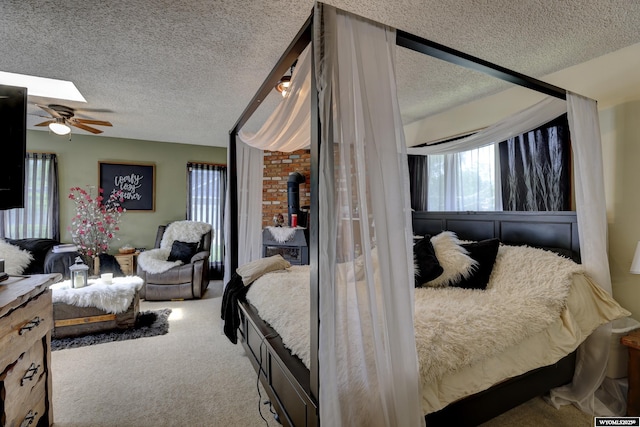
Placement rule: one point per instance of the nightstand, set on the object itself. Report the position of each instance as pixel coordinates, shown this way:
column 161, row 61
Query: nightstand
column 127, row 263
column 632, row 342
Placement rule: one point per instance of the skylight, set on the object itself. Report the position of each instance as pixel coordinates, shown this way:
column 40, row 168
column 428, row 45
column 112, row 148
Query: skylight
column 42, row 86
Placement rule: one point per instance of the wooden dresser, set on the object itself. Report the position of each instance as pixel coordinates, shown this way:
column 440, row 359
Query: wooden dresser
column 26, row 319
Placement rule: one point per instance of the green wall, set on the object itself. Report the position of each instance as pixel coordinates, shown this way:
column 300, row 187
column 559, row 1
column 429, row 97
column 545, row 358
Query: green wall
column 620, row 130
column 78, row 167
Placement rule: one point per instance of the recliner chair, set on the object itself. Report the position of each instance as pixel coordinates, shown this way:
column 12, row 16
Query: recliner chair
column 187, row 281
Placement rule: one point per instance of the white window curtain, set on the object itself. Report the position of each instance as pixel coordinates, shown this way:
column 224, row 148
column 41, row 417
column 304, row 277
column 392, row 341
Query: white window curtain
column 207, row 187
column 368, row 370
column 250, row 164
column 465, row 181
column 40, row 217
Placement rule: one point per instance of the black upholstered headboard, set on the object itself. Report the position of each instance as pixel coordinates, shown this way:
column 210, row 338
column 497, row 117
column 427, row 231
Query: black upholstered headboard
column 553, row 230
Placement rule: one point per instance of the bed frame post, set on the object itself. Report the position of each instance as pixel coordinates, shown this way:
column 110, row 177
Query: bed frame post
column 314, row 233
column 232, row 169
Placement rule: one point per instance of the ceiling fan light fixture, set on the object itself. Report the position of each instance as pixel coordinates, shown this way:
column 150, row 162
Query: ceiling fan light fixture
column 59, row 127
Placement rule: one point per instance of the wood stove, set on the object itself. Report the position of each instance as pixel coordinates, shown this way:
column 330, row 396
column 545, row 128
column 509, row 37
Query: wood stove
column 294, row 249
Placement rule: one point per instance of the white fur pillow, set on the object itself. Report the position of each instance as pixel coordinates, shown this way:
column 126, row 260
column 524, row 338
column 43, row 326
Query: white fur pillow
column 15, row 259
column 453, row 258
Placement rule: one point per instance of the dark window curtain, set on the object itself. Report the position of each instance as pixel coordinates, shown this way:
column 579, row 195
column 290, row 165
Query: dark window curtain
column 207, row 185
column 418, row 181
column 40, row 216
column 535, row 169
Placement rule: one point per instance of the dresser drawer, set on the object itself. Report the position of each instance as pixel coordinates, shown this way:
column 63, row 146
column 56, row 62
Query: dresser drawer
column 22, row 328
column 20, row 379
column 27, row 412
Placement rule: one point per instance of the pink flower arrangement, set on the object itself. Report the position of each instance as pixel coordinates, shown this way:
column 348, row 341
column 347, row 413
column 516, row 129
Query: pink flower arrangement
column 96, row 220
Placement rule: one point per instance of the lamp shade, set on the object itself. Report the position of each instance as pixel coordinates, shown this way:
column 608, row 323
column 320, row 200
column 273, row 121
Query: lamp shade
column 635, row 265
column 59, row 128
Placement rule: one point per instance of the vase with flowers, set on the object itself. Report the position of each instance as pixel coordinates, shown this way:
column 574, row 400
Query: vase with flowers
column 95, row 222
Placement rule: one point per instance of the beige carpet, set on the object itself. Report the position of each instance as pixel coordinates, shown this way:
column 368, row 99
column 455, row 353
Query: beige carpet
column 193, row 376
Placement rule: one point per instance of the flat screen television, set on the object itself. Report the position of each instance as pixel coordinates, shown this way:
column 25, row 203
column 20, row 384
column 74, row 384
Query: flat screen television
column 13, row 145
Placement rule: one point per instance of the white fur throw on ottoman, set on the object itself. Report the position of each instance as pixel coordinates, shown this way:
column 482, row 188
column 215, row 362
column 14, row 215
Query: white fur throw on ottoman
column 113, row 298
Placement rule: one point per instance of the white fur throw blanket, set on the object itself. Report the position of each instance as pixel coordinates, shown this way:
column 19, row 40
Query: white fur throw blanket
column 15, row 259
column 454, row 327
column 282, row 234
column 113, row 298
column 155, row 260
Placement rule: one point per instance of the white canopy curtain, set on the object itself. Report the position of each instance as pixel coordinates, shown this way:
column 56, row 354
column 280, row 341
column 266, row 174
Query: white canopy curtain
column 288, row 127
column 250, row 162
column 367, row 370
column 592, row 228
column 521, row 122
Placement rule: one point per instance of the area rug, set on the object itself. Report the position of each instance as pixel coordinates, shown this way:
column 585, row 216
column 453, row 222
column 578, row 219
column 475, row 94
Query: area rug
column 148, row 324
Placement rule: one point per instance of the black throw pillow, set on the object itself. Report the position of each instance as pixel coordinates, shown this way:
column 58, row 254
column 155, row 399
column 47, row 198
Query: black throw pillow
column 427, row 265
column 182, row 251
column 485, row 252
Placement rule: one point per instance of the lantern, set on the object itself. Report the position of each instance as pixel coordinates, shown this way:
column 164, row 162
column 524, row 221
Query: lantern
column 79, row 273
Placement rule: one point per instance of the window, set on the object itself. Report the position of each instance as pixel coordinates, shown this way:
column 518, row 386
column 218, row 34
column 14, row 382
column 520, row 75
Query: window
column 463, row 181
column 529, row 172
column 206, row 196
column 40, row 216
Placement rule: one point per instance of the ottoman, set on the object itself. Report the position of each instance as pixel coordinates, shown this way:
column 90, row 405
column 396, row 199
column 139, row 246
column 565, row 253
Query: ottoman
column 95, row 308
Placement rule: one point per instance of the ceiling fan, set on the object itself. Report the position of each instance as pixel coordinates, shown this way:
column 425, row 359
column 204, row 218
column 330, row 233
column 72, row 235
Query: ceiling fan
column 62, row 117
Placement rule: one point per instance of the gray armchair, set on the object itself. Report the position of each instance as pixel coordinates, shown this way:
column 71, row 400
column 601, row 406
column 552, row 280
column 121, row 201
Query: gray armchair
column 187, row 281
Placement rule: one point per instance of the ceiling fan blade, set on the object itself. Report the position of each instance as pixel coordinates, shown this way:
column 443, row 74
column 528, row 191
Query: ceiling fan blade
column 51, row 111
column 84, row 127
column 91, row 122
column 46, row 123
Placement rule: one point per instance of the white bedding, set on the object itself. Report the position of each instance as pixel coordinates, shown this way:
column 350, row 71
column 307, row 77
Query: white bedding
column 537, row 308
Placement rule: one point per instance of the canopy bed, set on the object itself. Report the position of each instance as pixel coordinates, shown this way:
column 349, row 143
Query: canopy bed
column 368, row 371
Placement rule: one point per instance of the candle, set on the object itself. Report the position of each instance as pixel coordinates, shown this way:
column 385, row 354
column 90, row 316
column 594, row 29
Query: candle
column 78, row 283
column 294, row 220
column 107, row 277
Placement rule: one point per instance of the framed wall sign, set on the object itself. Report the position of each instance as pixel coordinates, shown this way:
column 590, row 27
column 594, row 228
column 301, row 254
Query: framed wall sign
column 136, row 181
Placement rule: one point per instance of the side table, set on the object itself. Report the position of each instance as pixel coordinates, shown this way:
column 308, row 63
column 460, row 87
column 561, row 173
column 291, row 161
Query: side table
column 127, row 262
column 632, row 342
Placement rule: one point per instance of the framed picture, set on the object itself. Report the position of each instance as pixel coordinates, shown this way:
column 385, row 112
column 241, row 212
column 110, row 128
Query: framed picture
column 136, row 181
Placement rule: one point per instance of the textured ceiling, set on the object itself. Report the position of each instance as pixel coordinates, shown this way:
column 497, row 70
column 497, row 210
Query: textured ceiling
column 183, row 71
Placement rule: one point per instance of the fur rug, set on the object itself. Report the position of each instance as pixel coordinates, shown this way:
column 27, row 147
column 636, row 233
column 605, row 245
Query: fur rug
column 15, row 259
column 527, row 291
column 154, row 261
column 113, row 298
column 148, row 324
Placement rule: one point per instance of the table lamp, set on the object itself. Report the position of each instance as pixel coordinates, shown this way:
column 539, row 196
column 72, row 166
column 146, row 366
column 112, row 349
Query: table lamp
column 635, row 265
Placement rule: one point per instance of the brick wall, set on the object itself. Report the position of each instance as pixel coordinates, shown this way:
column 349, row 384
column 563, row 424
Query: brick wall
column 277, row 168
